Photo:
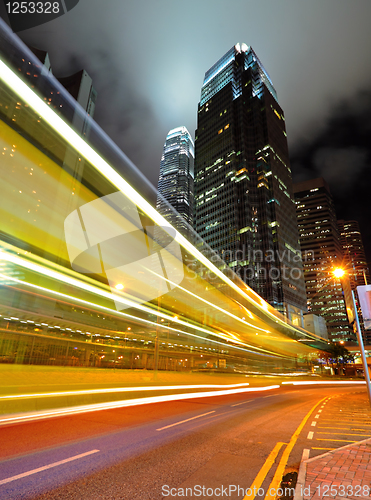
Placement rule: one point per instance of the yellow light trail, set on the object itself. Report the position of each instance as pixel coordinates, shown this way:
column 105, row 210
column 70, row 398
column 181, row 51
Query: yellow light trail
column 241, row 320
column 13, row 81
column 154, row 324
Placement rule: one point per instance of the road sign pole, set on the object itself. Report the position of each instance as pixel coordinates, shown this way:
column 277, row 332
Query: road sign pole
column 362, row 349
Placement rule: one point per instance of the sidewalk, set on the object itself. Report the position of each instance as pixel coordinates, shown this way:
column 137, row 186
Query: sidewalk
column 338, row 474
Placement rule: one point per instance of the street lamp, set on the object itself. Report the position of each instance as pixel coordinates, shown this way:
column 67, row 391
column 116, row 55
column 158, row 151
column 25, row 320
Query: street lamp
column 339, row 273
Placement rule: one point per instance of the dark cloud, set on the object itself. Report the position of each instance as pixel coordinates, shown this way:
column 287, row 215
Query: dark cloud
column 148, row 60
column 341, row 153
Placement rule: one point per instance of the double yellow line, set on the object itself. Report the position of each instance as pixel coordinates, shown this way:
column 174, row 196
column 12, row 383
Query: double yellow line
column 277, row 478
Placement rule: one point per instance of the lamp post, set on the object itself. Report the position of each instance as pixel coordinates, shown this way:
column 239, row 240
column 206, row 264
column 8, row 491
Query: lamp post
column 339, row 273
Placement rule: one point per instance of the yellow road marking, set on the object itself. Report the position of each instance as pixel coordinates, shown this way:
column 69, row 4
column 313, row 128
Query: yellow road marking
column 313, row 448
column 336, row 440
column 348, row 428
column 258, row 481
column 276, row 481
column 350, row 413
column 342, row 434
column 345, row 421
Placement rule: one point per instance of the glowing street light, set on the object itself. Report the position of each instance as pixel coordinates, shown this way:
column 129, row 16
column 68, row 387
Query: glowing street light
column 338, row 272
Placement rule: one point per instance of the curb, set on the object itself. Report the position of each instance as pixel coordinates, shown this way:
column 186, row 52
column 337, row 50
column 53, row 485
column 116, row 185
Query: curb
column 300, row 485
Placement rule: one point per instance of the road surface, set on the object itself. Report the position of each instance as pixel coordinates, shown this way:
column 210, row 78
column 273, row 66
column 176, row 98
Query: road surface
column 174, row 449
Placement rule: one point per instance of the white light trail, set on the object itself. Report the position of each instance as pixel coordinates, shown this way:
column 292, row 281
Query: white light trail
column 76, row 410
column 330, row 382
column 124, row 389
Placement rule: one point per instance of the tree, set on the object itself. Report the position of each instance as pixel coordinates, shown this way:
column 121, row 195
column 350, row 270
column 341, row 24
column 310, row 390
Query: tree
column 340, row 355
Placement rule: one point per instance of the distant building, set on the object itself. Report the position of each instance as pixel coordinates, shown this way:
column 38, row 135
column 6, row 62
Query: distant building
column 38, row 75
column 176, row 179
column 322, row 251
column 354, row 257
column 316, row 324
column 80, row 86
column 354, row 261
column 43, row 57
column 244, row 204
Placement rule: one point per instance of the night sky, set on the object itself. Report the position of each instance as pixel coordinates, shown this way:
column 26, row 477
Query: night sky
column 148, row 58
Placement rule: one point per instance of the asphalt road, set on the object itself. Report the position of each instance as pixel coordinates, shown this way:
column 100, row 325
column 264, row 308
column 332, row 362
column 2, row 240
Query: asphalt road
column 156, row 451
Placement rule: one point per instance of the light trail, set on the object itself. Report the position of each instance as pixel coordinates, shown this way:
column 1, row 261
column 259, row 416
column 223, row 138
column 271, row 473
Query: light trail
column 241, row 320
column 320, row 382
column 125, row 389
column 252, row 349
column 61, row 277
column 76, row 410
column 13, row 81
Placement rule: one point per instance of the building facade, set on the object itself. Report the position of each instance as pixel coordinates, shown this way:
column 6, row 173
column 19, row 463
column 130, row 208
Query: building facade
column 354, row 257
column 354, row 262
column 316, row 324
column 244, row 205
column 176, row 179
column 322, row 252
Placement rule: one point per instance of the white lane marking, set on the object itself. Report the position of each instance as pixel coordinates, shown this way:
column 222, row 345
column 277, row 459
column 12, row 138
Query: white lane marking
column 313, row 424
column 46, row 467
column 322, row 406
column 183, row 421
column 244, row 402
column 310, row 435
column 317, row 416
column 269, row 396
column 319, row 411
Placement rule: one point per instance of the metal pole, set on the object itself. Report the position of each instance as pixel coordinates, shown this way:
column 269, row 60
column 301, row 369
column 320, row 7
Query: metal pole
column 364, row 276
column 156, row 353
column 362, row 349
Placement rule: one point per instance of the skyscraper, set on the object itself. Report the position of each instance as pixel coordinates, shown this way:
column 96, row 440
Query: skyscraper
column 244, row 205
column 322, row 251
column 175, row 183
column 354, row 262
column 354, row 258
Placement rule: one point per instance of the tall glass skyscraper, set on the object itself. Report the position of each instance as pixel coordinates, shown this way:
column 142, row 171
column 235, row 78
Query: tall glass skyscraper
column 176, row 183
column 320, row 243
column 244, row 205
